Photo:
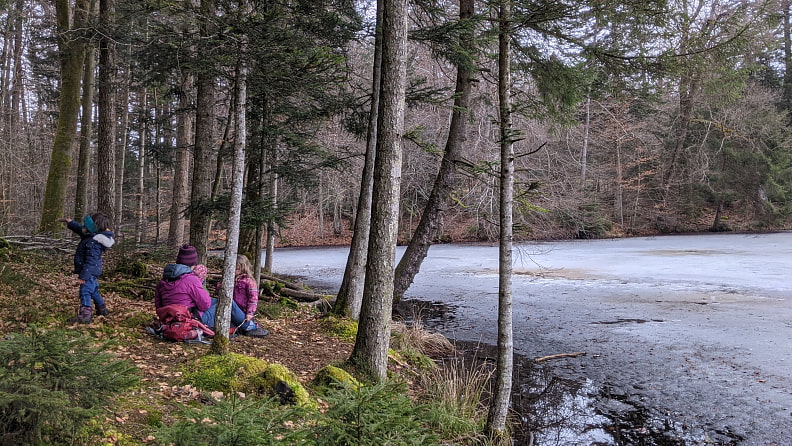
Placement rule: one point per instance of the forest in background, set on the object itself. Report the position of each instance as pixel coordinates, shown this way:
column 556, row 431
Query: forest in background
column 675, row 120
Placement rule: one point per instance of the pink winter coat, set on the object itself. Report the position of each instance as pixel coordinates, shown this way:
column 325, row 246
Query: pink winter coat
column 180, row 286
column 245, row 293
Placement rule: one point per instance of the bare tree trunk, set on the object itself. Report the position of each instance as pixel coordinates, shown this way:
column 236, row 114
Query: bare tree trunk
column 203, row 153
column 787, row 25
column 370, row 353
column 223, row 314
column 106, row 147
column 181, row 168
column 121, row 139
column 86, row 129
column 140, row 226
column 71, row 48
column 271, row 228
column 350, row 294
column 584, row 150
column 431, row 222
column 496, row 419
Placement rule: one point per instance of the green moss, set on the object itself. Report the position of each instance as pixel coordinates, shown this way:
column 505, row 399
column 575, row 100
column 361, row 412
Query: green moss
column 138, row 320
column 340, row 327
column 335, row 376
column 271, row 288
column 137, row 289
column 133, row 268
column 224, row 373
column 277, row 310
column 278, row 381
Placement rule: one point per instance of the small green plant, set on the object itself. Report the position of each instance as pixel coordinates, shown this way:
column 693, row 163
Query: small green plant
column 277, row 309
column 236, row 422
column 19, row 283
column 375, row 415
column 53, row 382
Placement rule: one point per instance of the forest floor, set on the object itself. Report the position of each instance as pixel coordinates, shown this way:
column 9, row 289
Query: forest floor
column 39, row 289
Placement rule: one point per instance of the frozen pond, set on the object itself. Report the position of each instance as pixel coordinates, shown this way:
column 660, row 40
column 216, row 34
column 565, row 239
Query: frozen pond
column 695, row 329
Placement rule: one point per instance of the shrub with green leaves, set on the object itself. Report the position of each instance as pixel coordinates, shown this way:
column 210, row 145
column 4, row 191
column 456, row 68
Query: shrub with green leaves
column 53, row 382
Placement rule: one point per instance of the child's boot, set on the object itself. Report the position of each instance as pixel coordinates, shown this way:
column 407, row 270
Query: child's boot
column 101, row 310
column 85, row 315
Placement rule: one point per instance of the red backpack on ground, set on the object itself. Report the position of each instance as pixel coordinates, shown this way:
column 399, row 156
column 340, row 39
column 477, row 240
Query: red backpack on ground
column 177, row 324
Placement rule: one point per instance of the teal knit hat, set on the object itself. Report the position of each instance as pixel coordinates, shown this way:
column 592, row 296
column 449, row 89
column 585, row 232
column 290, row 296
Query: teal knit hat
column 89, row 224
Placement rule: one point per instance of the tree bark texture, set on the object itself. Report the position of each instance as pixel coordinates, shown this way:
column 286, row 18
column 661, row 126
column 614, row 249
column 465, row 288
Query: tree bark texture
column 122, row 138
column 370, row 352
column 350, row 294
column 431, row 222
column 203, row 152
column 181, row 169
column 496, row 419
column 71, row 50
column 106, row 147
column 223, row 314
column 86, row 129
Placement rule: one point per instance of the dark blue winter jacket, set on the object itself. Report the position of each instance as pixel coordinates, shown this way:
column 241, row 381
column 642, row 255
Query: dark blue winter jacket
column 88, row 257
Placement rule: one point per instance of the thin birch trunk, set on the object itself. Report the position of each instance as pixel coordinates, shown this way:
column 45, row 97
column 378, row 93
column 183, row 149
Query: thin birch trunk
column 223, row 315
column 496, row 419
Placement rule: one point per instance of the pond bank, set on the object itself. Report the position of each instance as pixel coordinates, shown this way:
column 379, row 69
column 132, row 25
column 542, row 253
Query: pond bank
column 693, row 329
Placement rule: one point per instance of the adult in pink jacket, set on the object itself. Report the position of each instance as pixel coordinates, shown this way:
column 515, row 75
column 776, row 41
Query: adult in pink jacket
column 179, row 285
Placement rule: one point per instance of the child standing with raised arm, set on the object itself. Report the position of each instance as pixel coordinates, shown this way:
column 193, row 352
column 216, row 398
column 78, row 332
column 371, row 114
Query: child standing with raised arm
column 95, row 239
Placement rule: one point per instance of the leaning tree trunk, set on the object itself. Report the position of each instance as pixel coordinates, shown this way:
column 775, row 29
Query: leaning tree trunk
column 496, row 419
column 71, row 50
column 431, row 222
column 106, row 147
column 370, row 353
column 350, row 294
column 223, row 314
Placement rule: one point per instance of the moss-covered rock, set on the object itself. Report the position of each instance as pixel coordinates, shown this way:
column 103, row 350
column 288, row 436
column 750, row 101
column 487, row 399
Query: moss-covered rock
column 340, row 327
column 225, row 373
column 334, row 376
column 278, row 381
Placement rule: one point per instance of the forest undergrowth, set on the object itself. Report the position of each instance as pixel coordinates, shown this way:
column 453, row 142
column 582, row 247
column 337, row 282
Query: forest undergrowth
column 157, row 399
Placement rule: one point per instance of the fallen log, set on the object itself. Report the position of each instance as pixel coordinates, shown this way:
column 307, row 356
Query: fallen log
column 285, row 283
column 302, row 296
column 560, row 355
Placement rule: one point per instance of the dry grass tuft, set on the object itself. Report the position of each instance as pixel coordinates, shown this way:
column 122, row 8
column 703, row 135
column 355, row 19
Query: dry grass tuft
column 415, row 337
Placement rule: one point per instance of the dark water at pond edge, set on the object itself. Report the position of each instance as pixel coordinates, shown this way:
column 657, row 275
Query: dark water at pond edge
column 549, row 410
